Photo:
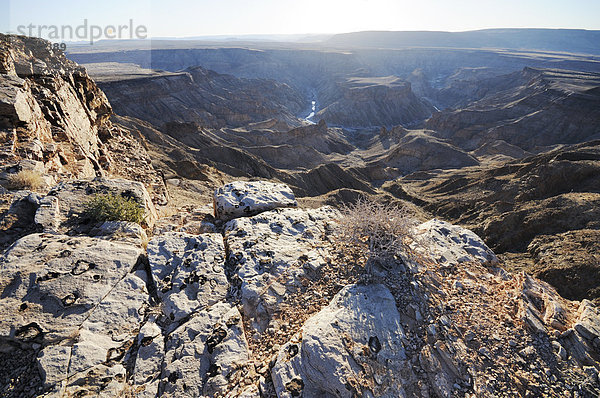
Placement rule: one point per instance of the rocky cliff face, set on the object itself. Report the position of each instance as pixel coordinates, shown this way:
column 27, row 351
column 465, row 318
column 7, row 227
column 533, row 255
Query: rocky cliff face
column 376, row 101
column 275, row 305
column 54, row 121
column 553, row 106
column 204, row 97
column 51, row 110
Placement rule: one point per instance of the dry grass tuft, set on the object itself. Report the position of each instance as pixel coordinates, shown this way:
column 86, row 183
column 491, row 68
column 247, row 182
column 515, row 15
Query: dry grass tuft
column 25, row 179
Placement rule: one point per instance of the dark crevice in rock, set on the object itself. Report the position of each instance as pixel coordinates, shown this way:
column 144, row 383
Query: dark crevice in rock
column 144, row 264
column 231, row 268
column 130, row 356
column 217, row 336
column 295, row 387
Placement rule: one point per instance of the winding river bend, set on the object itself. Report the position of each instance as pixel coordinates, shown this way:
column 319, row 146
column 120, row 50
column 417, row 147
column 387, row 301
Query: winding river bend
column 312, row 112
column 313, row 108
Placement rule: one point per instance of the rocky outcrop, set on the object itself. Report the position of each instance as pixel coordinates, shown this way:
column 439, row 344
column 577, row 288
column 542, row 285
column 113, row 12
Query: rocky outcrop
column 358, row 331
column 271, row 253
column 449, row 244
column 108, row 336
column 189, row 272
column 79, row 301
column 204, row 356
column 376, row 101
column 54, row 121
column 62, row 210
column 443, row 327
column 72, row 196
column 240, row 198
column 51, row 110
column 539, row 212
column 279, row 305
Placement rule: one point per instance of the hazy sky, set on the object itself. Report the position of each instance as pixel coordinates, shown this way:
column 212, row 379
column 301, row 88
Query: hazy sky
column 236, row 17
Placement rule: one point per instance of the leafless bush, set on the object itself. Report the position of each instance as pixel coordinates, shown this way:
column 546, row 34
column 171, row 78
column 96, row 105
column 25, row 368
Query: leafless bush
column 381, row 228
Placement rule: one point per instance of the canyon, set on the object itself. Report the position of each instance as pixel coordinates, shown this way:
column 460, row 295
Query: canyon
column 243, row 159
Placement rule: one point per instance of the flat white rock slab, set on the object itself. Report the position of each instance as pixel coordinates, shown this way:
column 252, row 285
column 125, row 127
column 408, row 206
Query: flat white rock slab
column 243, row 199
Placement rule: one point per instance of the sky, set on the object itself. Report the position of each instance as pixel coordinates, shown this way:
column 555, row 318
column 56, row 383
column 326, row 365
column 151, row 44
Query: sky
column 187, row 18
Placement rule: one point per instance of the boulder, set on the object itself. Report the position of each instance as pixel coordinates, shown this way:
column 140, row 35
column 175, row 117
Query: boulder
column 109, row 331
column 61, row 210
column 451, row 244
column 353, row 347
column 77, row 299
column 72, row 196
column 242, row 199
column 53, row 282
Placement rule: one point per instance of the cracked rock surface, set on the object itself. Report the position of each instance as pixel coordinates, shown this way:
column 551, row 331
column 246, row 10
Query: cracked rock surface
column 274, row 305
column 79, row 297
column 272, row 253
column 357, row 337
column 189, row 272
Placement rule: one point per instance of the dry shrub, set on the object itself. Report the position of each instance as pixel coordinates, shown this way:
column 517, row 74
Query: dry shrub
column 25, row 179
column 381, row 228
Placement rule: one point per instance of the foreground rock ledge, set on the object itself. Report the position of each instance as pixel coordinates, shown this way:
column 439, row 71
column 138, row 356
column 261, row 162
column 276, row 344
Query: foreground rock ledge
column 272, row 253
column 195, row 316
column 78, row 297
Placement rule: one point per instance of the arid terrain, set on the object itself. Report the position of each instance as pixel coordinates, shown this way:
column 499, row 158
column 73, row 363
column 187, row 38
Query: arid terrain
column 235, row 163
column 386, row 112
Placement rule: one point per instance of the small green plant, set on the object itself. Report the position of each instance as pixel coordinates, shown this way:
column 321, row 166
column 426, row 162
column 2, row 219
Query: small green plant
column 112, row 207
column 25, row 179
column 380, row 228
